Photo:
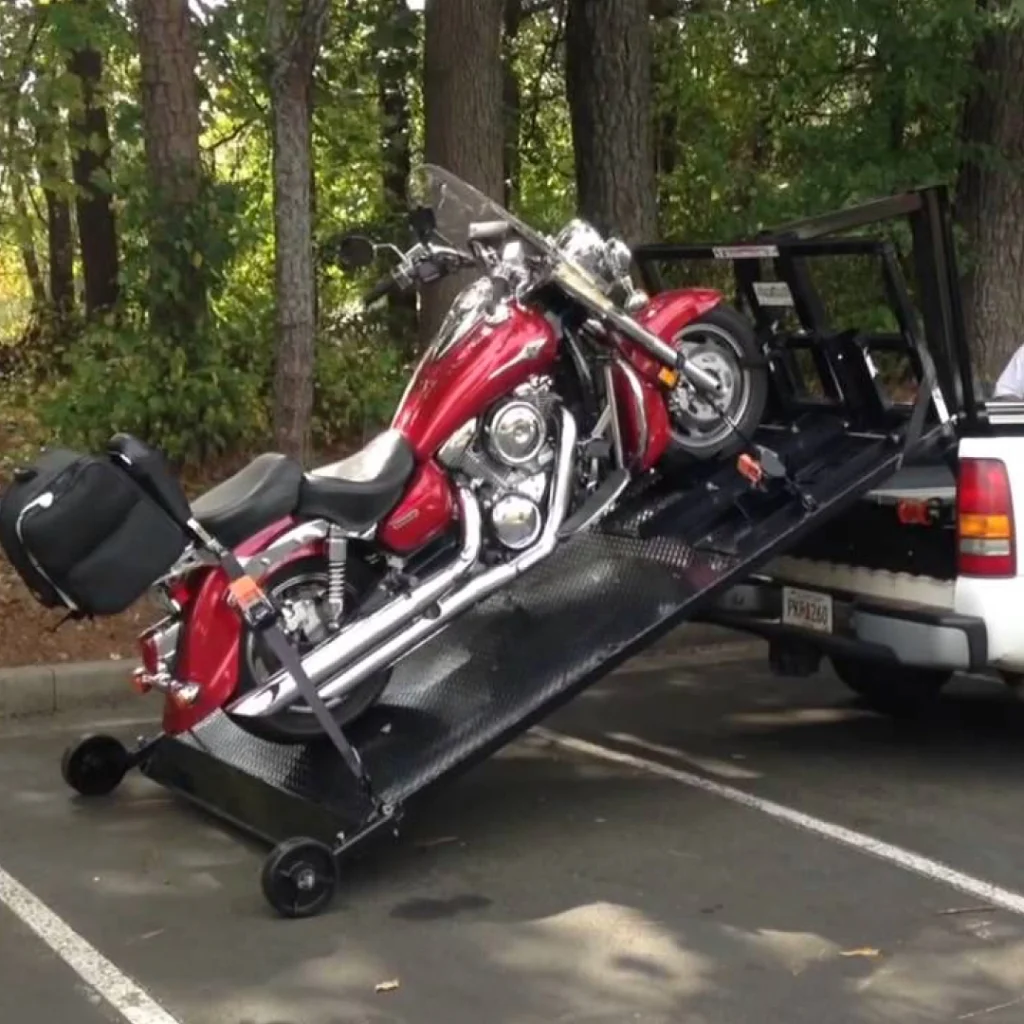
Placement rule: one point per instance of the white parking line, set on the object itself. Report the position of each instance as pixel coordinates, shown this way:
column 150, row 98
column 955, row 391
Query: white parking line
column 132, row 1002
column 936, row 871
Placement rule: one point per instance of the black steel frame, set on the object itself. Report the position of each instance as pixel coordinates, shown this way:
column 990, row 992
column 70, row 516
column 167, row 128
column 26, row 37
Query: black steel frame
column 943, row 357
column 602, row 597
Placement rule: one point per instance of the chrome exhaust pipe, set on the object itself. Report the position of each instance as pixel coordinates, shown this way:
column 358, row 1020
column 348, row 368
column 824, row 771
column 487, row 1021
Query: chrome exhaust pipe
column 475, row 590
column 345, row 647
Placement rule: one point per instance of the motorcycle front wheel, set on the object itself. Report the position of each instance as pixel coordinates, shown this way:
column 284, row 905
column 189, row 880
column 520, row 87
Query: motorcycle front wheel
column 722, row 343
column 302, row 588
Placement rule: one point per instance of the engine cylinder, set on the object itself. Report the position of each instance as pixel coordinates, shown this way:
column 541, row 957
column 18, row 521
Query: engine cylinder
column 516, row 433
column 517, row 521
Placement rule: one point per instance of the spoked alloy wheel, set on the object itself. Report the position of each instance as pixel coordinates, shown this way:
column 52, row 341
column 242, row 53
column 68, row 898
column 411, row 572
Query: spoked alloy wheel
column 722, row 343
column 301, row 590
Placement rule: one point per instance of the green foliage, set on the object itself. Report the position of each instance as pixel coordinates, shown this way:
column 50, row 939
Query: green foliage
column 360, row 376
column 764, row 110
column 131, row 378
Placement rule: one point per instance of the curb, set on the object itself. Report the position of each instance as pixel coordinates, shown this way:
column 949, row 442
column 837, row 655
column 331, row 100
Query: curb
column 35, row 690
column 31, row 690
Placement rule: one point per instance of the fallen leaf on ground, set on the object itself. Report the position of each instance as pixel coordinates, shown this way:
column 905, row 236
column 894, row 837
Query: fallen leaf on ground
column 386, row 986
column 862, row 951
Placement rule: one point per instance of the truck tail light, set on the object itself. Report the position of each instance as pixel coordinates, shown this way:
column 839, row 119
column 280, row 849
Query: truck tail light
column 984, row 506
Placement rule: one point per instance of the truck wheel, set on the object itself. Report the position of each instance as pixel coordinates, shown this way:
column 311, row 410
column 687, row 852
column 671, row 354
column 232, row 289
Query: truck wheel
column 892, row 689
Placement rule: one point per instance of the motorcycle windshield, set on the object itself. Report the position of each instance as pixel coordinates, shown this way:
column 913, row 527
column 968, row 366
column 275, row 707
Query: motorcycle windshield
column 457, row 206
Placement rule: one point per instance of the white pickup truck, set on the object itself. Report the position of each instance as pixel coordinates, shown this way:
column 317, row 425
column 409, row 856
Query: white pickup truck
column 921, row 579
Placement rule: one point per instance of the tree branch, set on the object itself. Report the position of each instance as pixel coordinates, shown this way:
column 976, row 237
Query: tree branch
column 298, row 51
column 238, row 130
column 530, row 132
column 42, row 15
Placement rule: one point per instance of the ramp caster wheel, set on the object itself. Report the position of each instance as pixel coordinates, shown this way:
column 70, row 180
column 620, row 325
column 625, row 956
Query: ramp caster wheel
column 299, row 878
column 95, row 765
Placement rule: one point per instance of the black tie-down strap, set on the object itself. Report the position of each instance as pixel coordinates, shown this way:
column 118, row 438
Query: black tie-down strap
column 262, row 618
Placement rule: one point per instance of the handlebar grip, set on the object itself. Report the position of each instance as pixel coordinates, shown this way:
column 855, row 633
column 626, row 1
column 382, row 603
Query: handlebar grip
column 383, row 287
column 488, row 230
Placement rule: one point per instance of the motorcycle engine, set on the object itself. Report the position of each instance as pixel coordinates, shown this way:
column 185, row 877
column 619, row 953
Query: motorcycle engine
column 510, row 453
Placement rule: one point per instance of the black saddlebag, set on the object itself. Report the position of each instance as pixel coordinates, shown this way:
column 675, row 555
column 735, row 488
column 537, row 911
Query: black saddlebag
column 83, row 535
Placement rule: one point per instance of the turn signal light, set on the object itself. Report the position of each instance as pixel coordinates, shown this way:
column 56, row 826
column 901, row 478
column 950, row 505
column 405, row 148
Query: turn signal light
column 670, row 378
column 185, row 694
column 140, row 681
column 986, row 545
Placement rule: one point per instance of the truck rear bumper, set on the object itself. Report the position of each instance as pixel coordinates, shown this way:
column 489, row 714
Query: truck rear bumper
column 854, row 626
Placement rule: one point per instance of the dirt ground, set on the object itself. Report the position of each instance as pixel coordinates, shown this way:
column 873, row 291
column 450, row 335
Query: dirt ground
column 30, row 635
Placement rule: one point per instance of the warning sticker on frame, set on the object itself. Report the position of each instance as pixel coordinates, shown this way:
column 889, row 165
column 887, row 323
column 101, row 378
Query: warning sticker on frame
column 745, row 252
column 773, row 293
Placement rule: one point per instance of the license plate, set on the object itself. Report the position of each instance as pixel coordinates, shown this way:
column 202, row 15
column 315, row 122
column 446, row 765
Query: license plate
column 806, row 609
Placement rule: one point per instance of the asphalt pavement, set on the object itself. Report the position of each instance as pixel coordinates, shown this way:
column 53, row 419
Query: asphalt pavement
column 556, row 885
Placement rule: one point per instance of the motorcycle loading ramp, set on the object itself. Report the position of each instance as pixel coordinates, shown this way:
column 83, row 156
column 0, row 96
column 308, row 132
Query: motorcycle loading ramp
column 605, row 595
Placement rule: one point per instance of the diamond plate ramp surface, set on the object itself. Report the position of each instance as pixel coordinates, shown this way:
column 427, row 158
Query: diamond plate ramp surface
column 500, row 667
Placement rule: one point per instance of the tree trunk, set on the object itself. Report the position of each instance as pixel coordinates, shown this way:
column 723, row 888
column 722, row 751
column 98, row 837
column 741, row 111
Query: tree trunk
column 511, row 99
column 170, row 119
column 60, row 244
column 608, row 81
column 62, row 256
column 294, row 50
column 462, row 100
column 990, row 197
column 396, row 42
column 90, row 170
column 26, row 244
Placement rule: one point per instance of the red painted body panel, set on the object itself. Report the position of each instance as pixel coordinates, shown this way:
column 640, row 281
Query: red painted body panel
column 211, row 633
column 482, row 367
column 665, row 315
column 423, row 514
column 653, row 398
column 668, row 312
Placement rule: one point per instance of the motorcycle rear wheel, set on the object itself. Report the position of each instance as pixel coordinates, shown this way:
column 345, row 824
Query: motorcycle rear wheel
column 306, row 580
column 723, row 343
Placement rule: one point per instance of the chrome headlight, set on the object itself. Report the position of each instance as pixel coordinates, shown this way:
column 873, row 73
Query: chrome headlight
column 584, row 245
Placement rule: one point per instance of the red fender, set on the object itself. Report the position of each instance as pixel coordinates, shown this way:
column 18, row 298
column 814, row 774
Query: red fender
column 211, row 635
column 665, row 315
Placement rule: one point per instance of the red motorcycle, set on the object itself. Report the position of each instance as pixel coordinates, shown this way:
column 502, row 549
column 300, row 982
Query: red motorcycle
column 551, row 385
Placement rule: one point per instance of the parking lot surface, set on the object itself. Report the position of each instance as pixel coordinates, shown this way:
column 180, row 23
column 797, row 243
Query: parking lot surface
column 556, row 884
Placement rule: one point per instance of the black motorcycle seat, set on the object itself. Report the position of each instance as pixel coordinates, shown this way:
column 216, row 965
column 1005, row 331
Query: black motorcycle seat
column 358, row 492
column 265, row 490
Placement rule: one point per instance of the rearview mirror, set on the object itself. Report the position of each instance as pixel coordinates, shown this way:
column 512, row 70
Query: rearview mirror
column 355, row 251
column 423, row 221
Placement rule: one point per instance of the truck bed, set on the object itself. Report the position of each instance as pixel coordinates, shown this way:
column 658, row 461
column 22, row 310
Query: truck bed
column 869, row 550
column 881, row 580
column 917, row 483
